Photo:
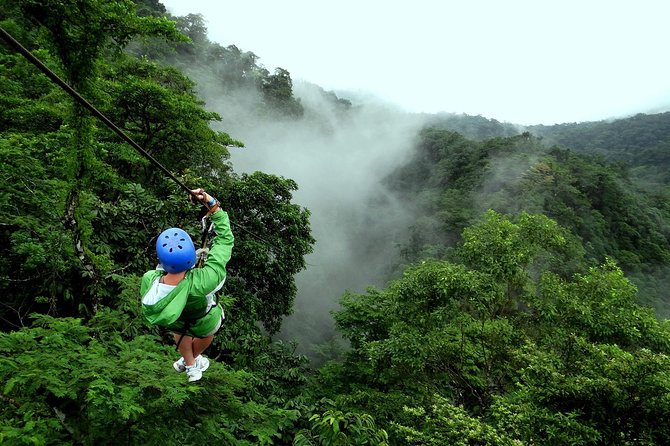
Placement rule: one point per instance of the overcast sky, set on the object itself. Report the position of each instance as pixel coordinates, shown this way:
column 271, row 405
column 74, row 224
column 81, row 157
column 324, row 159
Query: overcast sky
column 525, row 62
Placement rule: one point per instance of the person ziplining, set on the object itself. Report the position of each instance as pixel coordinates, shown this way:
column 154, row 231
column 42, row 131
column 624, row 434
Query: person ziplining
column 180, row 297
column 176, row 295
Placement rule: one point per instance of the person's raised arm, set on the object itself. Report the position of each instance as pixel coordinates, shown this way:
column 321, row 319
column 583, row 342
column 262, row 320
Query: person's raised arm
column 213, row 272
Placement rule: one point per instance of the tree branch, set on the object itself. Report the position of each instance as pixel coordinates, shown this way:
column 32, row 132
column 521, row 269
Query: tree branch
column 9, row 400
column 61, row 417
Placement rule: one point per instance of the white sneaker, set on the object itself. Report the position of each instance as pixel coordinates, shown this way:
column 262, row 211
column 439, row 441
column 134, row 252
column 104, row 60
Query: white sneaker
column 179, row 365
column 202, row 363
column 194, row 373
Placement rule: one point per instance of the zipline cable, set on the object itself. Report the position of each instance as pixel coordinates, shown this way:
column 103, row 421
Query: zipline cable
column 12, row 42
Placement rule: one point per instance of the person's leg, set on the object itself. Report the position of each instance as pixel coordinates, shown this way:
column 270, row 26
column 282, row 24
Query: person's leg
column 186, row 348
column 200, row 344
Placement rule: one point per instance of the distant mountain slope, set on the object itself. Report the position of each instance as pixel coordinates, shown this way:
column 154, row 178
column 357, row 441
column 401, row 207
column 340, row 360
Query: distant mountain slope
column 473, row 127
column 639, row 140
column 452, row 180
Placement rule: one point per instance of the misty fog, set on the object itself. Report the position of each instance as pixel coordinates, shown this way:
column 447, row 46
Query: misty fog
column 338, row 158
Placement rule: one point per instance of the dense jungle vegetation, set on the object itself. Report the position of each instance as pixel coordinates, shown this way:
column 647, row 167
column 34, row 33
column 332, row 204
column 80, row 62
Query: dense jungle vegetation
column 528, row 305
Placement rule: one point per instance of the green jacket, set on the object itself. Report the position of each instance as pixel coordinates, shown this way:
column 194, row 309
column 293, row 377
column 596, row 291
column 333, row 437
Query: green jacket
column 187, row 303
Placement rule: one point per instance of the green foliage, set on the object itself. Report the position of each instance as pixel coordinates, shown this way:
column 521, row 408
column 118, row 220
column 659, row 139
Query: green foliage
column 158, row 107
column 69, row 386
column 499, row 350
column 473, row 127
column 443, row 423
column 231, row 69
column 600, row 205
column 29, row 102
column 31, row 204
column 277, row 90
column 235, row 69
column 454, row 180
column 271, row 241
column 505, row 249
column 150, row 7
column 336, row 428
column 80, row 32
column 636, row 140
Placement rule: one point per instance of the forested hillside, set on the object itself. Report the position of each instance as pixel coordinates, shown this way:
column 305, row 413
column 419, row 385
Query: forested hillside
column 641, row 141
column 472, row 127
column 512, row 315
column 622, row 139
column 454, row 180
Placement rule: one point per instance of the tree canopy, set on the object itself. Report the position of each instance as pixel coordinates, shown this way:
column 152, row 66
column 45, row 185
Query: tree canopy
column 517, row 315
column 482, row 350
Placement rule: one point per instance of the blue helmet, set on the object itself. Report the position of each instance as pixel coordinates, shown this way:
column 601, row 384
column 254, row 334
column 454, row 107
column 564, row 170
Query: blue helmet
column 175, row 250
